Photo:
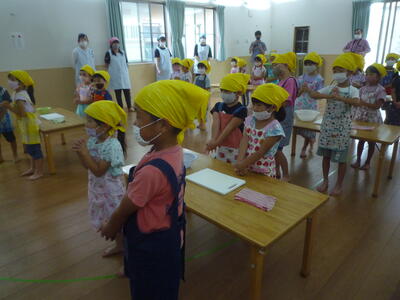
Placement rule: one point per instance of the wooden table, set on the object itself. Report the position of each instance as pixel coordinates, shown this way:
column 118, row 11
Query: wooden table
column 383, row 134
column 250, row 87
column 260, row 229
column 48, row 128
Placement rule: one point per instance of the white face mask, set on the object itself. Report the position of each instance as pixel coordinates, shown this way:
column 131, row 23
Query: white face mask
column 13, row 84
column 309, row 69
column 340, row 77
column 139, row 138
column 163, row 44
column 202, row 71
column 228, row 98
column 358, row 36
column 202, row 41
column 233, row 64
column 83, row 44
column 258, row 64
column 262, row 115
column 390, row 63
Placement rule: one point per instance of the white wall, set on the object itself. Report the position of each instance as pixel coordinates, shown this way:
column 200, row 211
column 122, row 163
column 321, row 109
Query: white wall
column 50, row 29
column 329, row 21
column 240, row 25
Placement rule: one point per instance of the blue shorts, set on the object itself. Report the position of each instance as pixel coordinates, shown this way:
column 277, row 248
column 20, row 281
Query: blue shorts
column 34, row 150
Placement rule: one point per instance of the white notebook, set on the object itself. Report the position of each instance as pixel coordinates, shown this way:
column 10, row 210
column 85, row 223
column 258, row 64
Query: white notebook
column 216, row 181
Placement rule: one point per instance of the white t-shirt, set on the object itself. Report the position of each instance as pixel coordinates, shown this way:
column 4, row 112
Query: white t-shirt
column 23, row 96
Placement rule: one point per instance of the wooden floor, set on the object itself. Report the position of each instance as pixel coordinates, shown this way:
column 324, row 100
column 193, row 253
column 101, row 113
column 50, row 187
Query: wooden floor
column 45, row 234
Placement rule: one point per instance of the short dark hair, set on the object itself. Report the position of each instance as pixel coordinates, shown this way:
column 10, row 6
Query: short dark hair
column 82, row 36
column 358, row 29
column 258, row 32
column 201, row 65
column 372, row 69
column 162, row 38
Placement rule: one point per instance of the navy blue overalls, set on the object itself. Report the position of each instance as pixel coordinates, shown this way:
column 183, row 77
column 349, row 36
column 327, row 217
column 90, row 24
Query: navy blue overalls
column 154, row 262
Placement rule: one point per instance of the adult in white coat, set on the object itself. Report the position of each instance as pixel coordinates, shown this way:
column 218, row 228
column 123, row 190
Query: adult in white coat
column 202, row 51
column 162, row 57
column 117, row 66
column 82, row 55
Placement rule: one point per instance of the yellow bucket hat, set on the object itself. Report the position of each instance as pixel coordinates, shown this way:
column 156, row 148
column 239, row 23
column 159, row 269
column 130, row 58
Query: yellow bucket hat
column 108, row 112
column 263, row 58
column 393, row 55
column 272, row 94
column 104, row 74
column 287, row 58
column 23, row 77
column 346, row 61
column 176, row 60
column 236, row 82
column 241, row 63
column 381, row 69
column 88, row 69
column 187, row 63
column 178, row 102
column 314, row 57
column 207, row 64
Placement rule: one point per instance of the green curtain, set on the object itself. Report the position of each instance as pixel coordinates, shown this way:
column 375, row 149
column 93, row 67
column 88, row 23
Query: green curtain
column 115, row 20
column 361, row 10
column 221, row 29
column 176, row 13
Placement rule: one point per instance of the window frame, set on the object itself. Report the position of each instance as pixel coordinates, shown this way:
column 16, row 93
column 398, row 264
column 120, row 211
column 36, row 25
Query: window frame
column 303, row 42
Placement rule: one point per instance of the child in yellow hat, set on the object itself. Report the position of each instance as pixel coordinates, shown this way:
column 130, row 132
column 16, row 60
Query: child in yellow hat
column 391, row 60
column 100, row 80
column 314, row 81
column 187, row 65
column 336, row 124
column 103, row 156
column 23, row 107
column 372, row 97
column 258, row 72
column 234, row 65
column 262, row 131
column 283, row 66
column 228, row 118
column 152, row 214
column 392, row 108
column 176, row 68
column 358, row 79
column 83, row 93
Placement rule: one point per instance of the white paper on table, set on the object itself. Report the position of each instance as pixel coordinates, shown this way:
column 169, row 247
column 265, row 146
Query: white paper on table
column 318, row 121
column 52, row 116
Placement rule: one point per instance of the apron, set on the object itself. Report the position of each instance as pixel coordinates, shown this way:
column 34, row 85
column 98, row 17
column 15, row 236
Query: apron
column 202, row 51
column 155, row 262
column 165, row 64
column 200, row 81
column 228, row 151
column 257, row 71
column 84, row 57
column 119, row 74
column 29, row 127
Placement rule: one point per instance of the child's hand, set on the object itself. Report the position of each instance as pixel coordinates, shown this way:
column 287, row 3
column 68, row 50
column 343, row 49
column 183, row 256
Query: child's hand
column 80, row 146
column 108, row 231
column 211, row 145
column 239, row 165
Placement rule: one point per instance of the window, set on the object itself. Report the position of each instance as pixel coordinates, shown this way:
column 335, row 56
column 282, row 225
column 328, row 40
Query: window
column 301, row 39
column 142, row 23
column 198, row 21
column 383, row 31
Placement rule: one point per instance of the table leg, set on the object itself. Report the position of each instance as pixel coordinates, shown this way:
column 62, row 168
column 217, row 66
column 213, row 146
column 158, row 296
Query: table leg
column 308, row 243
column 49, row 154
column 294, row 140
column 379, row 170
column 63, row 142
column 393, row 161
column 257, row 266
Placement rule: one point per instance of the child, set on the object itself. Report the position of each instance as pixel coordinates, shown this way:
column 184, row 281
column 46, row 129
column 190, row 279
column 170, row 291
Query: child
column 372, row 97
column 152, row 213
column 176, row 68
column 228, row 118
column 100, row 80
column 103, row 156
column 234, row 65
column 358, row 78
column 6, row 127
column 392, row 108
column 336, row 124
column 258, row 72
column 242, row 63
column 282, row 66
column 83, row 92
column 270, row 76
column 391, row 60
column 22, row 84
column 187, row 65
column 315, row 82
column 202, row 80
column 262, row 131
